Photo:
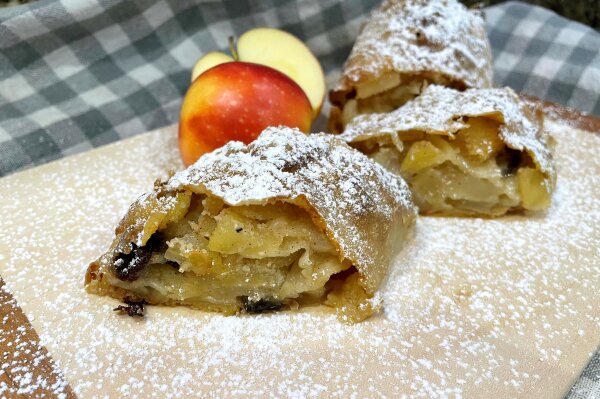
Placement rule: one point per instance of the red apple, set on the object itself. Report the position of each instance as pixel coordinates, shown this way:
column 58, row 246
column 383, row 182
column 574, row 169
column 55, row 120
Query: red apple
column 276, row 49
column 237, row 101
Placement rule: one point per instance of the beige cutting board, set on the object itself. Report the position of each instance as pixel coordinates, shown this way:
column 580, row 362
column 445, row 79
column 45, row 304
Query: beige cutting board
column 473, row 308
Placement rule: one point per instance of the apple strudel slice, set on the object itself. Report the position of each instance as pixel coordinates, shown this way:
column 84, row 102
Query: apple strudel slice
column 406, row 45
column 285, row 220
column 477, row 152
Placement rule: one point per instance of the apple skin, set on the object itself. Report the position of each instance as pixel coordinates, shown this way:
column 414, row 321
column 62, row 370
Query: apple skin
column 237, row 101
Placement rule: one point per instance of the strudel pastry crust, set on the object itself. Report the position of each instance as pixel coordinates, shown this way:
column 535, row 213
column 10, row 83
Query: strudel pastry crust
column 406, row 45
column 286, row 219
column 477, row 152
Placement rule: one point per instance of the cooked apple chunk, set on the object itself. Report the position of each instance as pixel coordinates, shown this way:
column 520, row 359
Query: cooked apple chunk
column 262, row 227
column 222, row 256
column 478, row 152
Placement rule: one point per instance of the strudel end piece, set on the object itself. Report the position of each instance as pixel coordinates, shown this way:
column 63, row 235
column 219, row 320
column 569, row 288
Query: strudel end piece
column 406, row 45
column 287, row 219
column 477, row 152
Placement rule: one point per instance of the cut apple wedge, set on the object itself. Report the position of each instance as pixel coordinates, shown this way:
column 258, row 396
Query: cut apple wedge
column 208, row 61
column 286, row 53
column 279, row 50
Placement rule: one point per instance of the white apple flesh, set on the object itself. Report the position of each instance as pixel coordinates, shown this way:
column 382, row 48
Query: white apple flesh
column 289, row 55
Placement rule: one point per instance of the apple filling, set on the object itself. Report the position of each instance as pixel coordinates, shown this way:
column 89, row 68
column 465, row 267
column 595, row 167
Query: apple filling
column 388, row 93
column 471, row 172
column 252, row 257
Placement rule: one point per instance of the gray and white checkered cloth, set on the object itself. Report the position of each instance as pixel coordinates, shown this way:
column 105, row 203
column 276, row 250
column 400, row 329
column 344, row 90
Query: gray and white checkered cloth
column 77, row 74
column 82, row 73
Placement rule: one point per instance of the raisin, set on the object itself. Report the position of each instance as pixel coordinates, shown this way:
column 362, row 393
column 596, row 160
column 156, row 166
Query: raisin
column 128, row 266
column 131, row 308
column 252, row 305
column 174, row 265
column 509, row 160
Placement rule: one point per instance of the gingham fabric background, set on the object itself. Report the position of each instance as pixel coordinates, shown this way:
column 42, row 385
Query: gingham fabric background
column 82, row 73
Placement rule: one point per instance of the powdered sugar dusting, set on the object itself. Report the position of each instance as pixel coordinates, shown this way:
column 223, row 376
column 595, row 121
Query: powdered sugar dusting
column 411, row 36
column 284, row 162
column 473, row 307
column 441, row 109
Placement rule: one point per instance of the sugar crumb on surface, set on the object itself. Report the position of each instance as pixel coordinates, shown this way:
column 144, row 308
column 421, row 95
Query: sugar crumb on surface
column 472, row 306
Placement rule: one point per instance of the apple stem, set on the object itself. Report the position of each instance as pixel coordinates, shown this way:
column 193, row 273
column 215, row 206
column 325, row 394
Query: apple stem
column 232, row 49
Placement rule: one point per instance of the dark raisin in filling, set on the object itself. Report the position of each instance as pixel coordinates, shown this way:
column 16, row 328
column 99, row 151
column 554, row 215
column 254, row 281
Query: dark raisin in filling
column 128, row 266
column 509, row 160
column 260, row 305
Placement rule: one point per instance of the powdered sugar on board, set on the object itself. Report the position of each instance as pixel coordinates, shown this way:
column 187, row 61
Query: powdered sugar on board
column 488, row 308
column 26, row 368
